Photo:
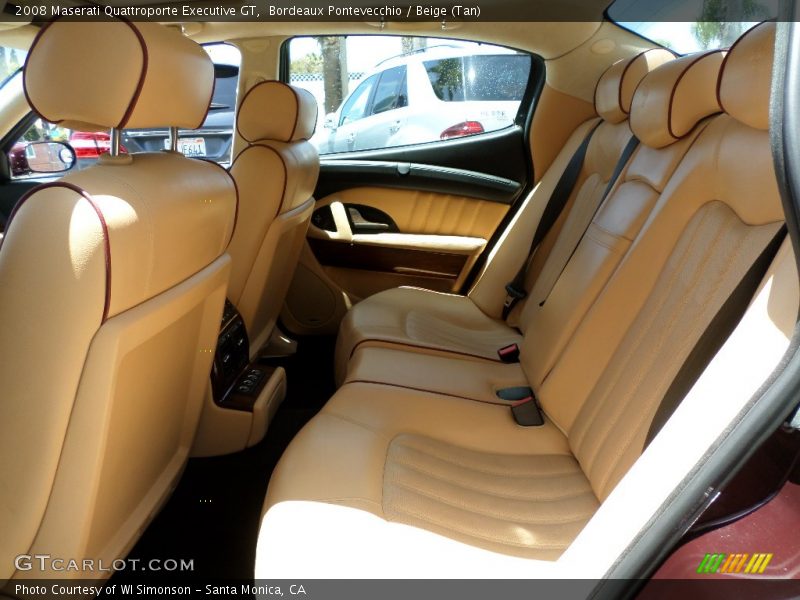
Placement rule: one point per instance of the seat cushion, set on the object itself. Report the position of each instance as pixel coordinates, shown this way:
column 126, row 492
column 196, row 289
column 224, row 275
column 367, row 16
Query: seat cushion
column 414, row 317
column 447, row 374
column 416, row 458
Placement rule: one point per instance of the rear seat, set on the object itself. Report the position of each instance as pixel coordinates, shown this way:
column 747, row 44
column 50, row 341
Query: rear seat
column 664, row 116
column 417, row 318
column 414, row 468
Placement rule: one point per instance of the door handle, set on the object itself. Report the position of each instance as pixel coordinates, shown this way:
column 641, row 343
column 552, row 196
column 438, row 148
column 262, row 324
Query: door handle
column 395, row 127
column 360, row 224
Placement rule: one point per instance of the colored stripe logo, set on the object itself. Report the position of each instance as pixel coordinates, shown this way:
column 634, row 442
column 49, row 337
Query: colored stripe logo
column 750, row 564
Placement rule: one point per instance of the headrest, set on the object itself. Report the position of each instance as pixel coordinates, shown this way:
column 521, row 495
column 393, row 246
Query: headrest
column 671, row 100
column 118, row 74
column 746, row 78
column 273, row 110
column 614, row 93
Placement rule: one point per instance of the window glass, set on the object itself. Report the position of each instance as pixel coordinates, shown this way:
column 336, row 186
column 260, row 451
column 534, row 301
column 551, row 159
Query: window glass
column 386, row 91
column 479, row 78
column 356, row 106
column 11, row 60
column 691, row 25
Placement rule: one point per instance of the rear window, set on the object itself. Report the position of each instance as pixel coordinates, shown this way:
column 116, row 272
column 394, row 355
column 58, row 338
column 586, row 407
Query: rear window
column 691, row 25
column 479, row 77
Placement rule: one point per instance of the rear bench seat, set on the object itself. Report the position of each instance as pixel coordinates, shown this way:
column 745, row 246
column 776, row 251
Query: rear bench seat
column 417, row 318
column 669, row 111
column 384, row 473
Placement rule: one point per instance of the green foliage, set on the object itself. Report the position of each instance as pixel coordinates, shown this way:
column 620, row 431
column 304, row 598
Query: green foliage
column 310, row 64
column 721, row 22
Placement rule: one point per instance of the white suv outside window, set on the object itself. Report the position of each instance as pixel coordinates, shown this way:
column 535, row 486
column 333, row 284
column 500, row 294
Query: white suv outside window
column 437, row 93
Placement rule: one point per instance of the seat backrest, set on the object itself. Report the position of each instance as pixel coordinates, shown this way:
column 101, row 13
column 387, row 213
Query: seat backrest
column 668, row 112
column 718, row 212
column 613, row 98
column 112, row 286
column 276, row 175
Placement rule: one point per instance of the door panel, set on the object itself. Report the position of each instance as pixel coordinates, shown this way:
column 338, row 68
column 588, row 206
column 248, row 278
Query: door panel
column 414, row 216
column 420, row 212
column 405, row 213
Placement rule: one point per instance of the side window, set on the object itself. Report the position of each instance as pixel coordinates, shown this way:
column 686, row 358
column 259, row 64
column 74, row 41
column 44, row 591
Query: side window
column 388, row 94
column 354, row 77
column 356, row 106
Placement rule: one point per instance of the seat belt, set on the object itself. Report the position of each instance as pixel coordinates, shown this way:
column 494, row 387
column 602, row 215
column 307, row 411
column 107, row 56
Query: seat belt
column 627, row 152
column 716, row 334
column 515, row 290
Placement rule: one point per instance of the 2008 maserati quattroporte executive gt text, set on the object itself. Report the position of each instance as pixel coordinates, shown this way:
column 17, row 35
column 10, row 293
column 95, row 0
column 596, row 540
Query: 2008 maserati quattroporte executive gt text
column 503, row 297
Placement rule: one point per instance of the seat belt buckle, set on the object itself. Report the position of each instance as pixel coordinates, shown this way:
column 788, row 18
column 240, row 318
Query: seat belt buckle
column 513, row 295
column 509, row 354
column 527, row 413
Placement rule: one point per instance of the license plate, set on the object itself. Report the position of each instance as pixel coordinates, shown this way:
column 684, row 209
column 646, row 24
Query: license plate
column 190, row 146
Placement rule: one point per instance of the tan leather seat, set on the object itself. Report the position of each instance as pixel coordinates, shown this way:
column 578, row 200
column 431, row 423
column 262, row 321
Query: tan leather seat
column 416, row 318
column 668, row 104
column 113, row 282
column 392, row 466
column 276, row 175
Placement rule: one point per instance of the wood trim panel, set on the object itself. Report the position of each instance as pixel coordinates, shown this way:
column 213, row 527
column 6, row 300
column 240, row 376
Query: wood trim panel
column 405, row 261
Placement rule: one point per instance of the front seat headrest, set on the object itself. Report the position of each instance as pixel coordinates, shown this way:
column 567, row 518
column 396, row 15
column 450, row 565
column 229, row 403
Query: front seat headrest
column 273, row 110
column 117, row 74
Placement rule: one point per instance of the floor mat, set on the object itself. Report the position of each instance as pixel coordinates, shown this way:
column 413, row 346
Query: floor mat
column 213, row 516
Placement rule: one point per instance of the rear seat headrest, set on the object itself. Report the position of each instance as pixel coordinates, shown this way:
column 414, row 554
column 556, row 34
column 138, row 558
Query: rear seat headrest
column 117, row 74
column 614, row 93
column 273, row 110
column 746, row 78
column 672, row 99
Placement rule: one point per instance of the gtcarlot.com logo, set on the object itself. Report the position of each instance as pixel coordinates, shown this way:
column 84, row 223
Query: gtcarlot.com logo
column 742, row 562
column 46, row 562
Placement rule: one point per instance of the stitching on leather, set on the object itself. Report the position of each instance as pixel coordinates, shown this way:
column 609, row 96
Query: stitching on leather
column 142, row 76
column 419, row 389
column 411, row 344
column 674, row 91
column 455, row 462
column 645, row 416
column 581, row 429
column 500, row 495
column 514, row 520
column 341, row 417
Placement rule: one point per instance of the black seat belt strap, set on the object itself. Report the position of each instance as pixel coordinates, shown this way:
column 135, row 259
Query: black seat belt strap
column 627, row 152
column 515, row 290
column 715, row 335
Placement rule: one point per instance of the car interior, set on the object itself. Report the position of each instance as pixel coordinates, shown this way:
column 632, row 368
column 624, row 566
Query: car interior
column 546, row 351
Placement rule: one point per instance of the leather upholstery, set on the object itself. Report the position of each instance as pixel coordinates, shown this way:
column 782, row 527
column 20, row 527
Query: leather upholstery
column 744, row 87
column 693, row 217
column 420, row 319
column 123, row 266
column 384, row 317
column 273, row 110
column 614, row 93
column 413, row 457
column 673, row 99
column 276, row 178
column 121, row 75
